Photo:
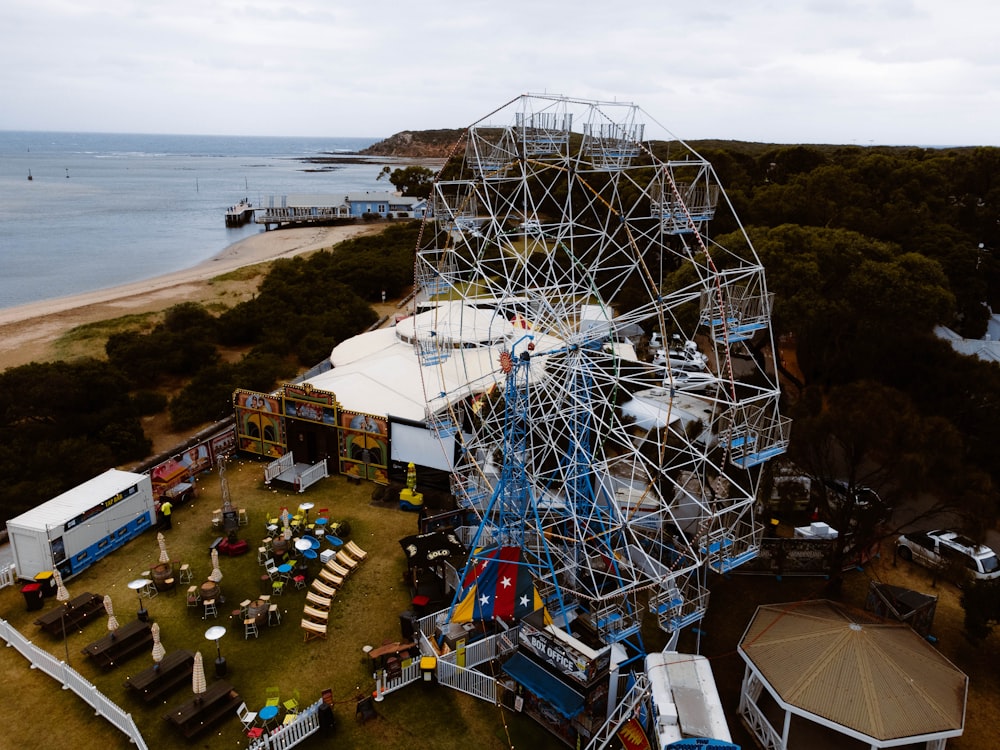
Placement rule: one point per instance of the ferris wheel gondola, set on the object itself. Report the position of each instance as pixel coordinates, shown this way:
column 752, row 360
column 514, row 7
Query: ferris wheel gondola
column 561, row 242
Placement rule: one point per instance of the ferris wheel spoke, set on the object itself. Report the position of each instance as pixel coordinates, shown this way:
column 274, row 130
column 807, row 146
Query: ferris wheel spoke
column 617, row 432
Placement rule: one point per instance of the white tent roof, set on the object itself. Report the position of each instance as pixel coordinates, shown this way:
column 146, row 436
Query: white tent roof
column 381, row 372
column 456, row 323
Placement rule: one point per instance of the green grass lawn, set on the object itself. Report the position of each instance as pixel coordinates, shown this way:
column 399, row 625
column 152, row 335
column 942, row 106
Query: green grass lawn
column 365, row 612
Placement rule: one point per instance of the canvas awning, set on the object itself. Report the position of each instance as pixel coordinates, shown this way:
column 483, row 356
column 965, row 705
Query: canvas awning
column 546, row 686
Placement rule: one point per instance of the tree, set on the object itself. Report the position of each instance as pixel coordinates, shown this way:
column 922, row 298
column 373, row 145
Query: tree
column 413, row 180
column 869, row 435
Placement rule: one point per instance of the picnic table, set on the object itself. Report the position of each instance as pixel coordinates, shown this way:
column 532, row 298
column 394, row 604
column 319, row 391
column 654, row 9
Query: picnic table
column 71, row 616
column 121, row 645
column 193, row 717
column 154, row 683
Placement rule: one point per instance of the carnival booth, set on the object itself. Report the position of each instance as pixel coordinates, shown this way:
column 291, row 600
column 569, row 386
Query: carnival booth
column 79, row 527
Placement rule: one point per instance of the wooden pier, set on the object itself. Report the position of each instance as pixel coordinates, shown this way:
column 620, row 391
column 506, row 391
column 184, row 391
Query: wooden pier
column 240, row 214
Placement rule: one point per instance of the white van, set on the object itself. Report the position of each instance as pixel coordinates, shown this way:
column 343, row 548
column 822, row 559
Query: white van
column 942, row 548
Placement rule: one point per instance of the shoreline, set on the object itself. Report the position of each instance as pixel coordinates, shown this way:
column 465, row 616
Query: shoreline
column 27, row 330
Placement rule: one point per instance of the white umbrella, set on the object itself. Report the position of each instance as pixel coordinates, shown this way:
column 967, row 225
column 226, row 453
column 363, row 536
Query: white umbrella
column 216, row 574
column 112, row 620
column 158, row 651
column 62, row 594
column 164, row 557
column 199, row 685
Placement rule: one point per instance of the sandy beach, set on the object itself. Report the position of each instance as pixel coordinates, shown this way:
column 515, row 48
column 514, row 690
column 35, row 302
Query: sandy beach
column 27, row 332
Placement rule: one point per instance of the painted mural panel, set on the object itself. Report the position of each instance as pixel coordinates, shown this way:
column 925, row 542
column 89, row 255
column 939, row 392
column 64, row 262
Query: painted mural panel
column 364, row 446
column 259, row 426
column 310, row 404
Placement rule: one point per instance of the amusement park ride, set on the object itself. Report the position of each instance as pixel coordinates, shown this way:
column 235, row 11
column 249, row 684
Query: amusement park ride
column 613, row 474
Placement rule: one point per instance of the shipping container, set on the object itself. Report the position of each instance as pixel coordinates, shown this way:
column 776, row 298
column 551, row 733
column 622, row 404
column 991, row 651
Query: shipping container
column 80, row 526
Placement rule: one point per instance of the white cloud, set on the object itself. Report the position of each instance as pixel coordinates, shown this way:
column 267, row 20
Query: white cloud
column 886, row 71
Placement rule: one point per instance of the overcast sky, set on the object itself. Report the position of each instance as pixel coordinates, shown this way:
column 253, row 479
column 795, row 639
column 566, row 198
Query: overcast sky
column 923, row 72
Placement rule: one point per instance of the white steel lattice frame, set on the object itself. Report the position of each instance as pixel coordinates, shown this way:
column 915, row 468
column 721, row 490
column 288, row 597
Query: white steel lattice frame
column 571, row 240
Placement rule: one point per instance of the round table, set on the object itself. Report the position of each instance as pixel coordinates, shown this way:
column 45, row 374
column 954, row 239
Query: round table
column 267, row 714
column 303, row 544
column 307, row 506
column 285, row 568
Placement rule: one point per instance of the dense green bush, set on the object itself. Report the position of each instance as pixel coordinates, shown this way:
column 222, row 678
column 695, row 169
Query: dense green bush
column 61, row 423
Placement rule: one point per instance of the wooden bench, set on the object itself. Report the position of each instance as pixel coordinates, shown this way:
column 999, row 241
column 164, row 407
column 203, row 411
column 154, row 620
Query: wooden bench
column 355, row 551
column 318, row 601
column 321, row 588
column 317, row 615
column 337, row 570
column 67, row 618
column 154, row 683
column 330, row 578
column 218, row 702
column 128, row 641
column 346, row 560
column 312, row 630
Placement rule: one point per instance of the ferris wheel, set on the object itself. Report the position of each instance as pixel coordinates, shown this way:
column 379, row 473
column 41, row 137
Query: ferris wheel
column 601, row 364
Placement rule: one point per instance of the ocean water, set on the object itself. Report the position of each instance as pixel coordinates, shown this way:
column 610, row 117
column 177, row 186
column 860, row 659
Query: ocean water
column 109, row 209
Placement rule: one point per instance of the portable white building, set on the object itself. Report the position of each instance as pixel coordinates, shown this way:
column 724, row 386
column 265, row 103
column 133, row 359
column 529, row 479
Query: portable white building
column 82, row 525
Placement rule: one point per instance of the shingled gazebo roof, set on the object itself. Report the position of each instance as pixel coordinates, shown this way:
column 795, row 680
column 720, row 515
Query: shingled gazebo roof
column 876, row 678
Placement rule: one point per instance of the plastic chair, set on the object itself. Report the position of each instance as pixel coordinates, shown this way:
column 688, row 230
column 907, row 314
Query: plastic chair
column 300, row 581
column 278, row 588
column 292, row 704
column 271, row 568
column 273, row 697
column 246, row 716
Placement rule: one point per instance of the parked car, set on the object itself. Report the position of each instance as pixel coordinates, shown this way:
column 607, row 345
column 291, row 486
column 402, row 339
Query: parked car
column 859, row 500
column 942, row 548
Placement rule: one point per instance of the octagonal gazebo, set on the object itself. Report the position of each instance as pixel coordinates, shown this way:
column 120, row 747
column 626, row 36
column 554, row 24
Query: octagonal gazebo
column 820, row 675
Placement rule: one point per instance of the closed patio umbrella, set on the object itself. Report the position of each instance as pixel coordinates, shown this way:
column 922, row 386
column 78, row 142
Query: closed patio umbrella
column 287, row 530
column 62, row 594
column 164, row 557
column 216, row 574
column 199, row 685
column 158, row 651
column 112, row 620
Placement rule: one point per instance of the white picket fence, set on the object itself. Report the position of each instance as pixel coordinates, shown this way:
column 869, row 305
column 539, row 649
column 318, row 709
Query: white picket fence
column 70, row 679
column 290, row 735
column 407, row 675
column 8, row 576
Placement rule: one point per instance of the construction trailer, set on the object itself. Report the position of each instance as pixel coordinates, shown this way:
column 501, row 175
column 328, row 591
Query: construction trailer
column 79, row 527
